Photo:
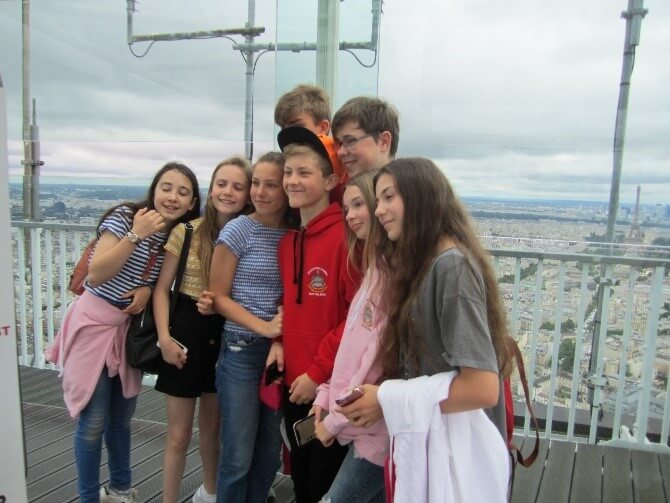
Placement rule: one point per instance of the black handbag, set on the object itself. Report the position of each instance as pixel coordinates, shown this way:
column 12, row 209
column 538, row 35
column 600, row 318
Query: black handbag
column 142, row 351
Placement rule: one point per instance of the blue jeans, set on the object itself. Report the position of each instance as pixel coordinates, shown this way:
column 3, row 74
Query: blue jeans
column 250, row 438
column 358, row 481
column 109, row 413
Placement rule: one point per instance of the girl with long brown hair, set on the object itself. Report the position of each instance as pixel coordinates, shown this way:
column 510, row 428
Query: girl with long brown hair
column 441, row 295
column 100, row 386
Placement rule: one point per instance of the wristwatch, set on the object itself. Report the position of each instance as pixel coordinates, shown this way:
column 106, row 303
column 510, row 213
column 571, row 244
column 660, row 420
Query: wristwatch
column 133, row 238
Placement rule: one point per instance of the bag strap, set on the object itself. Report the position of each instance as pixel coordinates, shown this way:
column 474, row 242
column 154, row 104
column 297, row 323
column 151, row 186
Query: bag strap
column 516, row 353
column 181, row 267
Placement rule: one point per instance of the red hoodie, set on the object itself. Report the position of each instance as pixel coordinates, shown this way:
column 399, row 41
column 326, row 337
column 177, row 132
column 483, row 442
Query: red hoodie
column 318, row 288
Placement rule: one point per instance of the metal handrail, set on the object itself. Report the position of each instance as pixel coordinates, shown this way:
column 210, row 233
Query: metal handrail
column 631, row 289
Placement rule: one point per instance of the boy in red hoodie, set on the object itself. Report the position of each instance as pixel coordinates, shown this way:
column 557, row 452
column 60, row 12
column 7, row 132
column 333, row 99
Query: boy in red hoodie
column 318, row 288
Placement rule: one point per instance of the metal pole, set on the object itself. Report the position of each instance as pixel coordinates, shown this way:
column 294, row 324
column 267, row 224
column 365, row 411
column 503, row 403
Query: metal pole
column 130, row 8
column 633, row 17
column 249, row 89
column 327, row 46
column 36, row 163
column 27, row 145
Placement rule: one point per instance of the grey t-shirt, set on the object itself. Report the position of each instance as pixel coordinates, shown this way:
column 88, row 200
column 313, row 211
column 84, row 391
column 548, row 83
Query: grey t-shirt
column 451, row 317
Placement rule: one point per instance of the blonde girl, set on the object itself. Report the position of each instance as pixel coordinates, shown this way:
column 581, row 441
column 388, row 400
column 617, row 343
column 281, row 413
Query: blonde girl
column 190, row 341
column 247, row 289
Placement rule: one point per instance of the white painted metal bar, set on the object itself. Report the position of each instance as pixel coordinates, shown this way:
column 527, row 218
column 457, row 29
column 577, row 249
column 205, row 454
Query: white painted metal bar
column 23, row 308
column 665, row 428
column 36, row 294
column 623, row 357
column 642, row 415
column 535, row 329
column 49, row 283
column 515, row 297
column 76, row 248
column 62, row 266
column 597, row 391
column 555, row 347
column 579, row 349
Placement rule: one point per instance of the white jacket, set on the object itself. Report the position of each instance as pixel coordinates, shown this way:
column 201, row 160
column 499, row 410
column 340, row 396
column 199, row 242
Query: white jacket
column 457, row 457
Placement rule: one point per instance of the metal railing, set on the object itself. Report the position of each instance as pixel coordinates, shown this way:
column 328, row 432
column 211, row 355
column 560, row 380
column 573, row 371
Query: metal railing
column 44, row 255
column 552, row 301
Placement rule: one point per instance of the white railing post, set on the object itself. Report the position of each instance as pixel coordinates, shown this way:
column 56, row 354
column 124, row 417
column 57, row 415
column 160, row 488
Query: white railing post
column 551, row 396
column 36, row 291
column 49, row 282
column 623, row 359
column 23, row 317
column 642, row 415
column 579, row 347
column 535, row 329
column 515, row 297
column 62, row 269
column 596, row 379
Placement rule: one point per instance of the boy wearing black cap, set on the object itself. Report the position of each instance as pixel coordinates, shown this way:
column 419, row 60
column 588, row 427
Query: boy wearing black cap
column 318, row 288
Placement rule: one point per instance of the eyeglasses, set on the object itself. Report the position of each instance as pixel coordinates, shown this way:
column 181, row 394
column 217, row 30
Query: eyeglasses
column 350, row 142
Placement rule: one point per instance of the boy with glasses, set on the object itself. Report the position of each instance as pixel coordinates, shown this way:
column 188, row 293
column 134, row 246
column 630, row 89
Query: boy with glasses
column 366, row 133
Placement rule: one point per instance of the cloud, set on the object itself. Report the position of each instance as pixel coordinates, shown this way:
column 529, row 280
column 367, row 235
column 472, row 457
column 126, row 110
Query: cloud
column 526, row 90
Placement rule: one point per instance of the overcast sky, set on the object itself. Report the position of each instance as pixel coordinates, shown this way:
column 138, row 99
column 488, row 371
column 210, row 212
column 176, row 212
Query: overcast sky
column 513, row 99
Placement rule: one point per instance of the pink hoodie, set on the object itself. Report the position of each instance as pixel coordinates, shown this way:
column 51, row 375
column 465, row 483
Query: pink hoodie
column 93, row 334
column 354, row 366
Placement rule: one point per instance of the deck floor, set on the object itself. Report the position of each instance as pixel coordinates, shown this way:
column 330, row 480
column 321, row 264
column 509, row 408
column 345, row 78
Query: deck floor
column 563, row 472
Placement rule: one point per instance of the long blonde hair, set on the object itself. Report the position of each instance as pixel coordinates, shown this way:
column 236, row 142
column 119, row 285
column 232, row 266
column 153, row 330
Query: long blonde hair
column 208, row 231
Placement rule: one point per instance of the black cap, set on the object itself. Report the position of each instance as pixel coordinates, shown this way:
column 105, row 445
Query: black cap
column 299, row 134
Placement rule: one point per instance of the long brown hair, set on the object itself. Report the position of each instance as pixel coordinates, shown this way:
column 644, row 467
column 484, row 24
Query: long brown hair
column 148, row 202
column 208, row 231
column 361, row 255
column 431, row 212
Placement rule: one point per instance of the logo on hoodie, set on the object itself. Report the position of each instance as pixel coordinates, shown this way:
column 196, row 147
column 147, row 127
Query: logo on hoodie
column 317, row 281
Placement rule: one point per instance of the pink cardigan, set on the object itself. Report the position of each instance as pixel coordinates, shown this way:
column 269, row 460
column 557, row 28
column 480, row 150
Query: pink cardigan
column 93, row 335
column 353, row 366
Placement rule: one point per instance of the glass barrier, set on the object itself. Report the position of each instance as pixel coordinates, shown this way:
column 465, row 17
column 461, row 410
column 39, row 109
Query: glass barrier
column 357, row 62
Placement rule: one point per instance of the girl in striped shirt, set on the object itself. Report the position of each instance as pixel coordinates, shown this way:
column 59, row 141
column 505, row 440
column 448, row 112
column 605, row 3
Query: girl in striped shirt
column 100, row 387
column 187, row 371
column 247, row 289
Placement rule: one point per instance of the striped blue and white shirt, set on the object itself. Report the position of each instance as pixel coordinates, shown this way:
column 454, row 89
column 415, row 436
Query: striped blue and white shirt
column 257, row 285
column 141, row 268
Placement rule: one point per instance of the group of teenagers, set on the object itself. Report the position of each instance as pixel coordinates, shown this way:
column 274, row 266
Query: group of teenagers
column 332, row 261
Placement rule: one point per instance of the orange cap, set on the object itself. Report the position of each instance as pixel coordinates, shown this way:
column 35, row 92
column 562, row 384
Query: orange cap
column 322, row 143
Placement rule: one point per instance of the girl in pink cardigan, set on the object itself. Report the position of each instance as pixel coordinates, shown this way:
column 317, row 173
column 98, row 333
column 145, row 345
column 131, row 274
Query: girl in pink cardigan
column 99, row 386
column 361, row 476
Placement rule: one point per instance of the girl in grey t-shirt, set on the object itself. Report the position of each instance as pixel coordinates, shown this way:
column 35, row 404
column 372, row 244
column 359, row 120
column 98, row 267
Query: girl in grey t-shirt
column 445, row 311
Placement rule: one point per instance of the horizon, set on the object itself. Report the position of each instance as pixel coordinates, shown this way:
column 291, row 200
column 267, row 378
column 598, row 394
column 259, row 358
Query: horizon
column 136, row 183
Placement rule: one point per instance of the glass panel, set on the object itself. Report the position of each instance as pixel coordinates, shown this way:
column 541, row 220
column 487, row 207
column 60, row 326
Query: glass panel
column 103, row 112
column 297, row 24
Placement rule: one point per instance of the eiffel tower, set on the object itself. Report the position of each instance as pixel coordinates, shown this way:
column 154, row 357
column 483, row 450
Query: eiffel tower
column 634, row 233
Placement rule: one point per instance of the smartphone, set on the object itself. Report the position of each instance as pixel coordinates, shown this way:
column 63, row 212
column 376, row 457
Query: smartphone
column 183, row 348
column 304, row 429
column 349, row 396
column 272, row 373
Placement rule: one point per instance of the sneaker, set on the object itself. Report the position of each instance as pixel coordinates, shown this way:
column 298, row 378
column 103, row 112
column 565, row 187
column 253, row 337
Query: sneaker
column 108, row 495
column 202, row 496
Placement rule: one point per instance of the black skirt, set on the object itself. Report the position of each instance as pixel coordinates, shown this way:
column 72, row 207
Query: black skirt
column 202, row 337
